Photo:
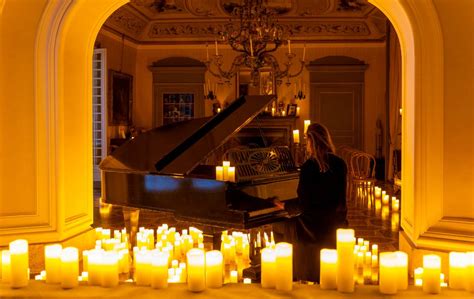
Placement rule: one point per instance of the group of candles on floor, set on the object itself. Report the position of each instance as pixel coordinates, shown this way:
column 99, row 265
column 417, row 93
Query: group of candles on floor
column 173, row 257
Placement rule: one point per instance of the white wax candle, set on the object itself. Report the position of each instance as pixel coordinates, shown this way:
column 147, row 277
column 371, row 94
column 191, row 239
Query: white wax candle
column 214, row 269
column 273, row 111
column 296, row 136
column 395, row 205
column 159, row 270
column 469, row 282
column 94, row 259
column 69, row 268
column 388, row 273
column 6, row 269
column 268, row 268
column 385, row 199
column 378, row 192
column 143, row 268
column 431, row 273
column 225, row 177
column 307, row 122
column 418, row 276
column 283, row 113
column 298, row 109
column 196, row 270
column 231, row 174
column 19, row 263
column 110, row 269
column 234, row 276
column 218, row 110
column 345, row 260
column 219, row 173
column 247, row 281
column 327, row 279
column 52, row 262
column 402, row 270
column 284, row 265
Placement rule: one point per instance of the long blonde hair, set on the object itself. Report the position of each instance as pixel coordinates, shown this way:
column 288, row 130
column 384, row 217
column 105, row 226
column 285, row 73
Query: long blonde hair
column 321, row 145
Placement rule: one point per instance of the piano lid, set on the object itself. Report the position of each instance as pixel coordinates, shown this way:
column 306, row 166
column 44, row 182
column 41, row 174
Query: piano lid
column 178, row 148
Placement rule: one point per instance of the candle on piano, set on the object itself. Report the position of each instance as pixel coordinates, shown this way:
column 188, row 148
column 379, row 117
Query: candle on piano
column 196, row 270
column 431, row 273
column 52, row 262
column 214, row 269
column 284, row 264
column 225, row 171
column 69, row 268
column 6, row 269
column 219, row 173
column 273, row 111
column 296, row 136
column 328, row 269
column 19, row 263
column 298, row 111
column 307, row 122
column 231, row 174
column 345, row 260
column 268, row 268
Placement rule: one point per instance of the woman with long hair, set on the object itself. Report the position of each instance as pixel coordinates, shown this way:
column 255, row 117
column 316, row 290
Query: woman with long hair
column 321, row 205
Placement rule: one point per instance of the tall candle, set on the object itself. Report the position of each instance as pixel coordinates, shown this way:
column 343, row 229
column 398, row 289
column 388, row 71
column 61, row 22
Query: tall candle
column 327, row 279
column 431, row 273
column 214, row 269
column 69, row 268
column 296, row 136
column 196, row 270
column 378, row 192
column 110, row 269
column 284, row 264
column 402, row 270
column 268, row 268
column 6, row 269
column 219, row 173
column 307, row 122
column 234, row 276
column 94, row 259
column 386, row 199
column 298, row 111
column 159, row 270
column 143, row 268
column 345, row 260
column 457, row 270
column 231, row 174
column 469, row 283
column 273, row 111
column 225, row 175
column 52, row 262
column 19, row 263
column 388, row 273
column 395, row 205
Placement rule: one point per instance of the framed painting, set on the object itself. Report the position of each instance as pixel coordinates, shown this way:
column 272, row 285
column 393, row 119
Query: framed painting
column 121, row 98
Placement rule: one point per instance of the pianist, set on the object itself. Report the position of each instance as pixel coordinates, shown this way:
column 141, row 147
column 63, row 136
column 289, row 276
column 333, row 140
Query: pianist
column 321, row 205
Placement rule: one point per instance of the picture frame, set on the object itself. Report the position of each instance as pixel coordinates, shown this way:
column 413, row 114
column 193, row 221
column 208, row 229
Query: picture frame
column 120, row 98
column 291, row 109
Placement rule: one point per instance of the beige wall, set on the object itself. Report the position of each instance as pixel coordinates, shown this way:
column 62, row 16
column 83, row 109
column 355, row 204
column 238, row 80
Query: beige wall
column 457, row 23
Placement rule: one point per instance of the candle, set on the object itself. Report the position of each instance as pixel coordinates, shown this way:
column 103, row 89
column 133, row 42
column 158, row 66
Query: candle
column 283, row 113
column 217, row 51
column 234, row 276
column 6, row 269
column 19, row 263
column 345, row 260
column 296, row 136
column 231, row 174
column 304, row 52
column 284, row 264
column 196, row 270
column 395, row 205
column 219, row 173
column 327, row 279
column 218, row 110
column 388, row 273
column 143, row 268
column 52, row 262
column 402, row 270
column 273, row 111
column 94, row 258
column 298, row 111
column 214, row 269
column 247, row 281
column 110, row 269
column 469, row 282
column 431, row 273
column 378, row 192
column 69, row 268
column 307, row 122
column 268, row 268
column 159, row 270
column 385, row 199
column 225, row 176
column 289, row 46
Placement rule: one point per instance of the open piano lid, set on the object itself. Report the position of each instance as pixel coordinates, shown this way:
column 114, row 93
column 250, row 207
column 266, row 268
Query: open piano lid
column 178, row 148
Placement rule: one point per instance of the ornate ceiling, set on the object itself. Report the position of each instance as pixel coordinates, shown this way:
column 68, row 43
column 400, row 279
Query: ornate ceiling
column 163, row 21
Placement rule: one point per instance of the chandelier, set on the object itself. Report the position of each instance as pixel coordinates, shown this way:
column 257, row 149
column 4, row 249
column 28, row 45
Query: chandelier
column 255, row 37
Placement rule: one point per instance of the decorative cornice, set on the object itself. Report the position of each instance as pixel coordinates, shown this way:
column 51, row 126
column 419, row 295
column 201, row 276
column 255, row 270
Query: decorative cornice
column 126, row 20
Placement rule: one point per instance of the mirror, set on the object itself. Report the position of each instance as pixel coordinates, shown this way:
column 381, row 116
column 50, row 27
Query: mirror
column 265, row 85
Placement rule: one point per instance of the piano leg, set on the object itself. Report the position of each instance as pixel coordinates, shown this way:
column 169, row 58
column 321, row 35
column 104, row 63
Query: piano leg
column 130, row 218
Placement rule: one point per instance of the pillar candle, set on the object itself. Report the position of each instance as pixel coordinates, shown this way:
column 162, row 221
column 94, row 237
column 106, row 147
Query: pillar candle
column 345, row 260
column 94, row 266
column 143, row 268
column 385, row 199
column 395, row 205
column 388, row 273
column 110, row 269
column 402, row 270
column 328, row 268
column 6, row 269
column 19, row 263
column 234, row 276
column 268, row 268
column 418, row 276
column 52, row 262
column 273, row 111
column 159, row 270
column 225, row 177
column 219, row 173
column 69, row 268
column 296, row 136
column 231, row 174
column 469, row 282
column 298, row 111
column 196, row 270
column 284, row 265
column 307, row 122
column 431, row 273
column 214, row 269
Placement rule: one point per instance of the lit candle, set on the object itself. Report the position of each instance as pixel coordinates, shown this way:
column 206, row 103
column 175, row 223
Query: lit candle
column 395, row 205
column 345, row 260
column 110, row 269
column 225, row 176
column 19, row 263
column 431, row 273
column 283, row 113
column 284, row 264
column 378, row 192
column 402, row 270
column 247, row 281
column 219, row 173
column 69, row 268
column 388, row 273
column 159, row 270
column 273, row 111
column 52, row 262
column 196, row 270
column 469, row 283
column 234, row 276
column 304, row 52
column 6, row 269
column 298, row 111
column 143, row 268
column 289, row 46
column 217, row 51
column 327, row 279
column 94, row 258
column 296, row 136
column 218, row 110
column 268, row 268
column 457, row 270
column 307, row 122
column 214, row 269
column 386, row 199
column 418, row 276
column 231, row 174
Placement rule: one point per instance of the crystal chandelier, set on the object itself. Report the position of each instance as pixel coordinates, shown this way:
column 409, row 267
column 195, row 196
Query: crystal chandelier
column 255, row 37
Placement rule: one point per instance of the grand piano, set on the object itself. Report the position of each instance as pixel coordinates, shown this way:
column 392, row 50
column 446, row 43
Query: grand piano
column 165, row 169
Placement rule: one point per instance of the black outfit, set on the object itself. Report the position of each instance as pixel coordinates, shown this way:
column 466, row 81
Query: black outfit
column 319, row 211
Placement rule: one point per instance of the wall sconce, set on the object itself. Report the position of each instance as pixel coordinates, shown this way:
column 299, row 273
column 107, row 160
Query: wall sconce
column 210, row 91
column 300, row 95
column 300, row 91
